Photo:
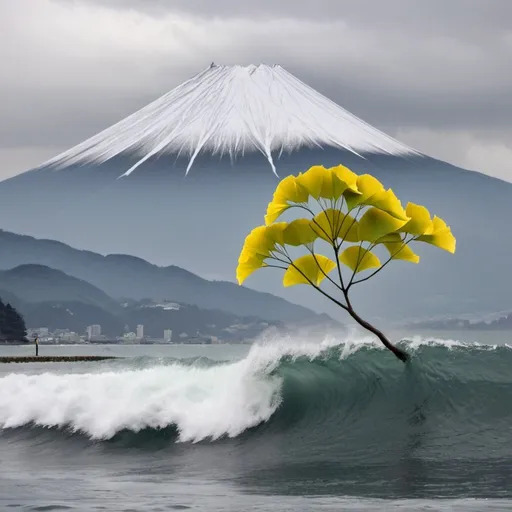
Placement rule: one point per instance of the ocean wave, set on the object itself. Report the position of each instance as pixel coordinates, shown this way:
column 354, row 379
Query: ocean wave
column 298, row 387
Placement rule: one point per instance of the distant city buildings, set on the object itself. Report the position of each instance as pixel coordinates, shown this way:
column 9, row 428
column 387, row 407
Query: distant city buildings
column 58, row 336
column 93, row 335
column 69, row 337
column 93, row 330
column 129, row 337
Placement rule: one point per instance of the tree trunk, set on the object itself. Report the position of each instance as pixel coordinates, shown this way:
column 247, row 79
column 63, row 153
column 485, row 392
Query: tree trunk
column 402, row 355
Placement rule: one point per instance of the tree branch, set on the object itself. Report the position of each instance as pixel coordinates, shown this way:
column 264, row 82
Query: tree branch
column 383, row 265
column 324, row 273
column 337, row 302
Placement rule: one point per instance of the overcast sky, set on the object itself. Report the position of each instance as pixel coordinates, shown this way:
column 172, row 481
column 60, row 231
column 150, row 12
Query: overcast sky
column 436, row 74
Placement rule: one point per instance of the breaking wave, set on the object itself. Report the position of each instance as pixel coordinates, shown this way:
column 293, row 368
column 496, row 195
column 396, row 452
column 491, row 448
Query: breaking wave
column 334, row 394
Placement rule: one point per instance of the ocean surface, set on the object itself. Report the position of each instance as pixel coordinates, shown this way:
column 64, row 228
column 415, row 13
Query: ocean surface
column 282, row 425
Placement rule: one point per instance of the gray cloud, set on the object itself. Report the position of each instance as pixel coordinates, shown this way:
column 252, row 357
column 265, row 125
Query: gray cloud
column 435, row 73
column 438, row 15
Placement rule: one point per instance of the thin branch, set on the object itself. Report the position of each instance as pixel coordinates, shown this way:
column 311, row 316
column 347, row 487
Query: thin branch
column 336, row 232
column 337, row 302
column 359, row 259
column 322, row 270
column 332, row 241
column 383, row 265
column 325, row 232
column 338, row 266
column 354, row 220
column 304, row 207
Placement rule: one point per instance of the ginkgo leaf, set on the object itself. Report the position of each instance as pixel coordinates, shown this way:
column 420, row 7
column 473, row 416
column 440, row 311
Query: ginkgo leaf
column 419, row 222
column 347, row 176
column 288, row 192
column 325, row 183
column 443, row 239
column 440, row 235
column 299, row 232
column 401, row 251
column 308, row 269
column 332, row 186
column 247, row 264
column 397, row 248
column 367, row 186
column 437, row 226
column 263, row 239
column 358, row 259
column 312, row 180
column 388, row 202
column 274, row 211
column 390, row 237
column 331, row 224
column 373, row 193
column 376, row 223
column 275, row 232
column 257, row 242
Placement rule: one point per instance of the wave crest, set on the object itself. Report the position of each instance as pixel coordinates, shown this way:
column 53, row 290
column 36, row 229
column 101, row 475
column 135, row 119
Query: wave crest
column 279, row 383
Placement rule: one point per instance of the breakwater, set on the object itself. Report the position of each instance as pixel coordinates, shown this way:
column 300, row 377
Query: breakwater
column 52, row 359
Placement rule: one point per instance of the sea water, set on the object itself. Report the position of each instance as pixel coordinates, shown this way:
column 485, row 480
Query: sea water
column 284, row 424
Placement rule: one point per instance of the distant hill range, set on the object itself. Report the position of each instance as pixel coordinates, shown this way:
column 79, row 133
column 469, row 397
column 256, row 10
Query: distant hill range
column 54, row 284
column 501, row 323
column 33, row 283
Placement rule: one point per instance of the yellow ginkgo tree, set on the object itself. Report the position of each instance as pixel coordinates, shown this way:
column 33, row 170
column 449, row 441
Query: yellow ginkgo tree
column 354, row 217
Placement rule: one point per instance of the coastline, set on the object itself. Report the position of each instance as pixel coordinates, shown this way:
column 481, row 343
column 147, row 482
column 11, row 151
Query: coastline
column 53, row 359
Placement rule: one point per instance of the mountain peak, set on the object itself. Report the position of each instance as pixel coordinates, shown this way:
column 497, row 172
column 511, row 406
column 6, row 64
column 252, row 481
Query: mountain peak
column 233, row 110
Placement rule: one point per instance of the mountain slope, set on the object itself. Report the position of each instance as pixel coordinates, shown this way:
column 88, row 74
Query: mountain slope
column 127, row 276
column 34, row 283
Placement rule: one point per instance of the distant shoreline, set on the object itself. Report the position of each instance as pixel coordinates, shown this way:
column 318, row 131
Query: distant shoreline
column 52, row 359
column 115, row 343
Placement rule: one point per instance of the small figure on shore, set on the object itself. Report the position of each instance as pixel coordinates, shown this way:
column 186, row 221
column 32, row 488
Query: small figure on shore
column 36, row 341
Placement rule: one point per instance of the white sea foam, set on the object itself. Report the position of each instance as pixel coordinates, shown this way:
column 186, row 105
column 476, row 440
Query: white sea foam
column 203, row 402
column 233, row 110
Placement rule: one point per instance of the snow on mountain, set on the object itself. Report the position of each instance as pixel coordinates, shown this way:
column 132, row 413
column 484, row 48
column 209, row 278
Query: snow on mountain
column 233, row 110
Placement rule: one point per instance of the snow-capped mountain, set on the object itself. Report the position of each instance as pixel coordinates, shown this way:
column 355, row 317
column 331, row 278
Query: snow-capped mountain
column 232, row 110
column 229, row 128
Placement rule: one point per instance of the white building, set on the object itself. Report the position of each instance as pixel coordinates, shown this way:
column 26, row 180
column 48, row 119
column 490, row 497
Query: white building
column 93, row 331
column 168, row 335
column 140, row 331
